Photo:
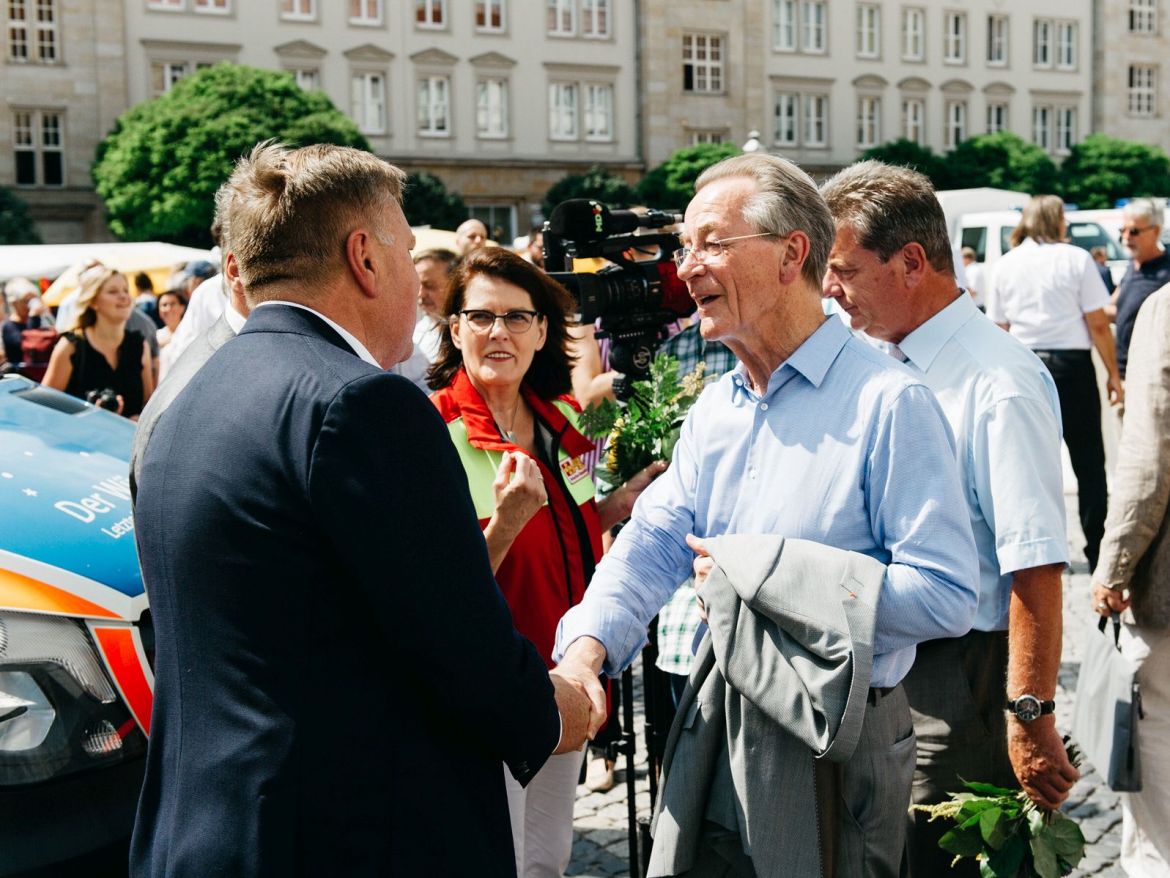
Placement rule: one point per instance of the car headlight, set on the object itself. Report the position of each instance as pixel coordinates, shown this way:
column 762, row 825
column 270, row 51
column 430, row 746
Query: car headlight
column 58, row 710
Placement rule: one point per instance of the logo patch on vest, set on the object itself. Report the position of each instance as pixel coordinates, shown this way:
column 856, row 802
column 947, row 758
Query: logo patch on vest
column 574, row 469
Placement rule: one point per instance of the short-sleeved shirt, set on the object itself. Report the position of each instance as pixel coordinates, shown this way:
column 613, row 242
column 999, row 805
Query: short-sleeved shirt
column 1044, row 291
column 92, row 371
column 1137, row 286
column 1004, row 411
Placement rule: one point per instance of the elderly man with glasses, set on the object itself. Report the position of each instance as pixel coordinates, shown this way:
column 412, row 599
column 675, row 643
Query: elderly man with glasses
column 1141, row 233
column 820, row 439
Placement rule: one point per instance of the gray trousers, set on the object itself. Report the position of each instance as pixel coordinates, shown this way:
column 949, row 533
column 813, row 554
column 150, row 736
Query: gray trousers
column 957, row 692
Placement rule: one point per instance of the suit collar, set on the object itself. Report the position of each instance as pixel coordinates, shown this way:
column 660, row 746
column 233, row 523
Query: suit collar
column 280, row 317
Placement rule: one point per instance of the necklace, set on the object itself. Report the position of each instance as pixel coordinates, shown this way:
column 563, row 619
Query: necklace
column 508, row 434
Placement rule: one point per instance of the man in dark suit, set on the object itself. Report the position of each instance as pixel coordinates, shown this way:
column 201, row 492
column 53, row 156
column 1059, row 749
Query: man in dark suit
column 337, row 675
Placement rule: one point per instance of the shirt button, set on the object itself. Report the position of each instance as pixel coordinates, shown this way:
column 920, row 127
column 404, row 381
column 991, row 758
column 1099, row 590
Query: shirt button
column 752, row 473
column 763, row 406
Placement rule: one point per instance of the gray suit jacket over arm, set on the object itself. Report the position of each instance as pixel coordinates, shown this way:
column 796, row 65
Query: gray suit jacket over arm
column 782, row 676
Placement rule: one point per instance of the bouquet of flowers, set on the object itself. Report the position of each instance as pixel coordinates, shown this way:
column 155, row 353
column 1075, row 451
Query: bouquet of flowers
column 645, row 427
column 1007, row 833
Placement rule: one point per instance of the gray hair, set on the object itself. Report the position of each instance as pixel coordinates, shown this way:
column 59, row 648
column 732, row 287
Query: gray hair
column 889, row 207
column 1144, row 208
column 786, row 200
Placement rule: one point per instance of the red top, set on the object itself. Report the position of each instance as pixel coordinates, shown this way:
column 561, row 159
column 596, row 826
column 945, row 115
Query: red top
column 548, row 566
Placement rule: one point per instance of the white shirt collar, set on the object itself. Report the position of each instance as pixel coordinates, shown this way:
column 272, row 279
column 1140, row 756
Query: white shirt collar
column 350, row 339
column 234, row 318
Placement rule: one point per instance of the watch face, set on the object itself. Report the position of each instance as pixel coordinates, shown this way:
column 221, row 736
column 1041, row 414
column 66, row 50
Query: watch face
column 1027, row 708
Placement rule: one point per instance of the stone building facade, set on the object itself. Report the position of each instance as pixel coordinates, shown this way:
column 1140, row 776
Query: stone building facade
column 1131, row 88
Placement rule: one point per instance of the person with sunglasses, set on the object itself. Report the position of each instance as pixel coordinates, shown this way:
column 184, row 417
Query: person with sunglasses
column 1141, row 233
column 502, row 382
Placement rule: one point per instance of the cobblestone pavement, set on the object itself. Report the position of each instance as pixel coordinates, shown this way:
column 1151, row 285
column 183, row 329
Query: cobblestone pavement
column 601, row 846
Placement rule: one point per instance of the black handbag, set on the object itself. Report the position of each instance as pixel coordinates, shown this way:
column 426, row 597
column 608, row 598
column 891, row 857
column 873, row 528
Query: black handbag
column 1108, row 709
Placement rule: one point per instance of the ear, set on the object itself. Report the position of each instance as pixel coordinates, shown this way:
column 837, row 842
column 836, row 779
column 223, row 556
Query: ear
column 359, row 257
column 542, row 330
column 792, row 257
column 915, row 264
column 456, row 325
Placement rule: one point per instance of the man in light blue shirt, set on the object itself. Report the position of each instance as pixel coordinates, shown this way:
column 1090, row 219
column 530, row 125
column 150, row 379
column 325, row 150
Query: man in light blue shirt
column 815, row 436
column 891, row 271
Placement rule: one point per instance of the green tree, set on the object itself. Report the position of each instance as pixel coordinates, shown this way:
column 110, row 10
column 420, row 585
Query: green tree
column 428, row 203
column 1101, row 169
column 16, row 226
column 671, row 185
column 908, row 154
column 158, row 170
column 1002, row 160
column 596, row 183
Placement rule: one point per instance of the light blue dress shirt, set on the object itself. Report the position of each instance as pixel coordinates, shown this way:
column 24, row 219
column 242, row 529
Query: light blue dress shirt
column 1003, row 409
column 845, row 447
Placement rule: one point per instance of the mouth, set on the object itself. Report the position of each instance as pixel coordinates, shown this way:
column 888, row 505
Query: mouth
column 498, row 356
column 705, row 299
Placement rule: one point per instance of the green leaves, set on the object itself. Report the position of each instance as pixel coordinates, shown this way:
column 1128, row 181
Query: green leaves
column 646, row 427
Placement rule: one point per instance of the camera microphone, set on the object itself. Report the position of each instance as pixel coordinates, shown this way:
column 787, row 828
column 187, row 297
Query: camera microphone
column 582, row 219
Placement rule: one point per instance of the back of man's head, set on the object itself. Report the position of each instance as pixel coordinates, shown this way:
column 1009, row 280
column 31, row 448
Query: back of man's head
column 786, row 200
column 287, row 213
column 888, row 207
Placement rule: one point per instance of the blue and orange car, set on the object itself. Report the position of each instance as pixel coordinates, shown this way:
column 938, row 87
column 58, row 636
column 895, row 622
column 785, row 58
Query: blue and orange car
column 76, row 644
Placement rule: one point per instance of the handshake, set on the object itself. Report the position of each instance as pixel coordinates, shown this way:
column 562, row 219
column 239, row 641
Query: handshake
column 581, row 703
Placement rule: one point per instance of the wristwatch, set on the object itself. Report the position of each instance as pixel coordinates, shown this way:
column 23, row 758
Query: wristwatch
column 1028, row 707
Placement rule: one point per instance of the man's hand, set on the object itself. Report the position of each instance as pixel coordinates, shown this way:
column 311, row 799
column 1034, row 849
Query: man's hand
column 1115, row 389
column 703, row 566
column 580, row 667
column 573, row 706
column 1107, row 601
column 1040, row 761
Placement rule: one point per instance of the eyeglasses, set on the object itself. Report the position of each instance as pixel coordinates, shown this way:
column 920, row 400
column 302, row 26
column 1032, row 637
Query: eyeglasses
column 712, row 249
column 514, row 321
column 1133, row 232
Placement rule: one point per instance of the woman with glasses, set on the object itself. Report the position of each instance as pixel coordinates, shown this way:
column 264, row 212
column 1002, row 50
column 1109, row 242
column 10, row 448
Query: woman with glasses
column 502, row 384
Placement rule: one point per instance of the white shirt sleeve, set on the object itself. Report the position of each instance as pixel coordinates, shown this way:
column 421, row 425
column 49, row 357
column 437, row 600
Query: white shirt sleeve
column 1093, row 293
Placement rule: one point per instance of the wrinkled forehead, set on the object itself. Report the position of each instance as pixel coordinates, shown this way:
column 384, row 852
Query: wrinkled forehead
column 717, row 209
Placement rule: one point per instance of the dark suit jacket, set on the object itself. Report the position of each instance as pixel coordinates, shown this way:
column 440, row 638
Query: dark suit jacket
column 337, row 675
column 189, row 362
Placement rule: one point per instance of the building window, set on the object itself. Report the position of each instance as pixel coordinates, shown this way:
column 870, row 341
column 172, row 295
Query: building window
column 955, row 38
column 784, row 25
column 997, row 40
column 1143, row 16
column 500, row 220
column 562, row 111
column 698, row 138
column 164, row 75
column 816, row 120
column 368, row 102
column 366, row 13
column 997, row 117
column 489, row 16
column 39, row 148
column 786, row 118
column 32, row 31
column 914, row 120
column 869, row 122
column 913, row 34
column 491, row 108
column 800, row 120
column 430, row 13
column 298, row 10
column 308, row 78
column 1042, row 127
column 214, row 7
column 1066, row 45
column 702, row 63
column 956, row 125
column 814, row 15
column 562, row 18
column 1066, row 129
column 869, row 30
column 433, row 103
column 1042, row 42
column 1141, row 93
column 598, row 111
column 595, row 19
column 165, row 4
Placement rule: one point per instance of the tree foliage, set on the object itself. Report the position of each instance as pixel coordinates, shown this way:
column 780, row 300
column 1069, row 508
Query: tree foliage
column 428, row 203
column 1100, row 169
column 908, row 154
column 158, row 170
column 671, row 185
column 1003, row 161
column 596, row 183
column 16, row 226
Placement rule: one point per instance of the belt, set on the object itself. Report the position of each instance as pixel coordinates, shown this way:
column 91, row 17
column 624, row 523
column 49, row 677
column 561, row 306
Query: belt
column 877, row 693
column 1047, row 356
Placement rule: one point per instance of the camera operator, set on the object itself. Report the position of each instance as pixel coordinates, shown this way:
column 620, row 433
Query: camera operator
column 99, row 353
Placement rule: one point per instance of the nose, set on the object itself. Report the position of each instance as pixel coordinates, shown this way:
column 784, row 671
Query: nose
column 830, row 288
column 690, row 266
column 499, row 329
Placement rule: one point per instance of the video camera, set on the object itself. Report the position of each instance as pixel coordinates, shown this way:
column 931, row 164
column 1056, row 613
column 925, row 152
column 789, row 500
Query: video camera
column 634, row 298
